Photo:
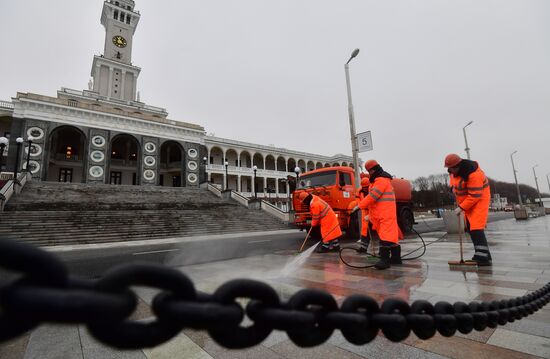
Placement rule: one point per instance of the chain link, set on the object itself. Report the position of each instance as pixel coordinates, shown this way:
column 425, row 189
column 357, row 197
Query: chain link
column 43, row 291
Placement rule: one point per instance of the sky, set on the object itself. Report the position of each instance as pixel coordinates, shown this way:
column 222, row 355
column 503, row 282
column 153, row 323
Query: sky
column 272, row 72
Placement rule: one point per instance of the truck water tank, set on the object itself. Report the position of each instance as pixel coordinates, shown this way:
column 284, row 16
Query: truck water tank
column 403, row 189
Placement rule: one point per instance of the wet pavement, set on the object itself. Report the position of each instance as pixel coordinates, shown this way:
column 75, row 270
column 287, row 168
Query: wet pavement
column 521, row 264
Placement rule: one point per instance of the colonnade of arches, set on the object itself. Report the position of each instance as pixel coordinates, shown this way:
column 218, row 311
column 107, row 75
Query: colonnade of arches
column 266, row 181
column 246, row 159
column 68, row 158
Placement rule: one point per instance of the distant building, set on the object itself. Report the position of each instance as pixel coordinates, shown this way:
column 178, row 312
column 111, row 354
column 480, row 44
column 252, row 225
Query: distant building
column 498, row 203
column 105, row 134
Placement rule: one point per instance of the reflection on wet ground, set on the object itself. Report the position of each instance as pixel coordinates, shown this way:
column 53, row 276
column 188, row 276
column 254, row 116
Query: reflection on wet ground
column 521, row 263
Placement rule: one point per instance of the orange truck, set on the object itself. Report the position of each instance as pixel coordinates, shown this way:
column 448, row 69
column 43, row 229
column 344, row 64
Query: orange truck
column 336, row 186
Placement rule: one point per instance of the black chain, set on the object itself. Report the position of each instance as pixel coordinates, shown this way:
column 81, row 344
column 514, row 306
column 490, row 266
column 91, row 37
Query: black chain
column 43, row 291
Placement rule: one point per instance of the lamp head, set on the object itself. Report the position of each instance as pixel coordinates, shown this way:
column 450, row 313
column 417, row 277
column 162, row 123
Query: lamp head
column 297, row 170
column 353, row 54
column 226, row 163
column 19, row 140
column 4, row 141
column 255, row 168
column 469, row 123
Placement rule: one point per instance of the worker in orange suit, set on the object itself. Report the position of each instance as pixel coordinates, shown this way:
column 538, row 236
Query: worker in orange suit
column 473, row 196
column 362, row 192
column 322, row 215
column 381, row 207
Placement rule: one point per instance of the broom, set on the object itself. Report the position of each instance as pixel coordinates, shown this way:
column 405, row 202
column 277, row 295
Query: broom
column 305, row 240
column 461, row 262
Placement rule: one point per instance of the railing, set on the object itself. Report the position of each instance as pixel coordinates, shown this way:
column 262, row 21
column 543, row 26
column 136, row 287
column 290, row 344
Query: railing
column 275, row 211
column 246, row 170
column 7, row 105
column 64, row 157
column 173, row 164
column 239, row 198
column 123, row 163
column 214, row 189
column 9, row 188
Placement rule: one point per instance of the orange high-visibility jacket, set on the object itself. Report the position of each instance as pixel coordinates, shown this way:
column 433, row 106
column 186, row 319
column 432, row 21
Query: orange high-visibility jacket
column 364, row 212
column 323, row 215
column 382, row 209
column 474, row 197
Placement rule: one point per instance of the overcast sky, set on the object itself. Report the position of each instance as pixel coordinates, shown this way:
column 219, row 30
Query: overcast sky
column 272, row 72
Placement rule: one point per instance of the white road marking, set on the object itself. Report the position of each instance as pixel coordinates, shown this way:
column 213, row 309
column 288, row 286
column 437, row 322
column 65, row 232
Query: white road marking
column 260, row 241
column 161, row 251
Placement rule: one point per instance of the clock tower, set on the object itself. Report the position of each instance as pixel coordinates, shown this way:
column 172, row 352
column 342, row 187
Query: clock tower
column 114, row 75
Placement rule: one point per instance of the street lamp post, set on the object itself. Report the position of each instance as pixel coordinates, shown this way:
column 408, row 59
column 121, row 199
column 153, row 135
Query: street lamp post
column 516, row 177
column 537, row 183
column 255, row 168
column 226, row 176
column 19, row 142
column 467, row 149
column 29, row 140
column 3, row 143
column 297, row 170
column 204, row 159
column 352, row 119
column 287, row 183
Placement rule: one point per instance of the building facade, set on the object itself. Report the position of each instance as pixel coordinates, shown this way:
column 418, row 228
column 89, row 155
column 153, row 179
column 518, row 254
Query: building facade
column 105, row 134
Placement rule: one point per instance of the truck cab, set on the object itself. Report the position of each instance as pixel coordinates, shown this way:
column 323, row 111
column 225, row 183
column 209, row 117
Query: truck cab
column 336, row 186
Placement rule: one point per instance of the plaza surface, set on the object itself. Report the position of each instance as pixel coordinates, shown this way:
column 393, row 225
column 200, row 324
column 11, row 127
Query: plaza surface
column 521, row 263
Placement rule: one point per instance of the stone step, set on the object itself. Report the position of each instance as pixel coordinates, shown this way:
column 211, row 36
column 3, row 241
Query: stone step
column 45, row 240
column 54, row 213
column 153, row 233
column 99, row 226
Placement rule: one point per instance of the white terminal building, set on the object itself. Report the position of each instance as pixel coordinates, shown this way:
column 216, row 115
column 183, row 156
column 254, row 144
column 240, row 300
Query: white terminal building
column 105, row 134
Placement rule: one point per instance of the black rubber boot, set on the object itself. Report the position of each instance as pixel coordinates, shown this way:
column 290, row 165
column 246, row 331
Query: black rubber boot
column 396, row 254
column 482, row 254
column 363, row 244
column 332, row 246
column 384, row 262
column 323, row 248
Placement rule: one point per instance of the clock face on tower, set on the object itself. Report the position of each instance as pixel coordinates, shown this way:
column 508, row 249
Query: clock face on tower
column 119, row 41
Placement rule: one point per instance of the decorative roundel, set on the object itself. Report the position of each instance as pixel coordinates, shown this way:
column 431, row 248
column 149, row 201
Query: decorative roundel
column 149, row 175
column 97, row 156
column 149, row 161
column 98, row 141
column 36, row 150
column 35, row 132
column 192, row 178
column 34, row 166
column 192, row 153
column 150, row 147
column 96, row 171
column 192, row 165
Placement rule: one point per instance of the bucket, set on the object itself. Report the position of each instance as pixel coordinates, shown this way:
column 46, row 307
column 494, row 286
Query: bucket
column 451, row 221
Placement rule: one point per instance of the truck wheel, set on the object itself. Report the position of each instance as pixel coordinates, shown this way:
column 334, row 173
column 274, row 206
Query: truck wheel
column 406, row 220
column 354, row 224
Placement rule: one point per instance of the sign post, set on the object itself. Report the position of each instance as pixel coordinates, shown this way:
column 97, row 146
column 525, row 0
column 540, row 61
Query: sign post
column 364, row 142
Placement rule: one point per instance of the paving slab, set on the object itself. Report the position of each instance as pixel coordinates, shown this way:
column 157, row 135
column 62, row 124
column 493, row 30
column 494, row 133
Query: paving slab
column 521, row 252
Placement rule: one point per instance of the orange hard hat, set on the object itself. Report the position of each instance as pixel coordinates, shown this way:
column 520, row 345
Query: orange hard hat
column 370, row 164
column 302, row 196
column 365, row 182
column 452, row 160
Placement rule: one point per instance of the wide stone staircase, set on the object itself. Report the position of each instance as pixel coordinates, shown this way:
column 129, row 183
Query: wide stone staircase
column 47, row 213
